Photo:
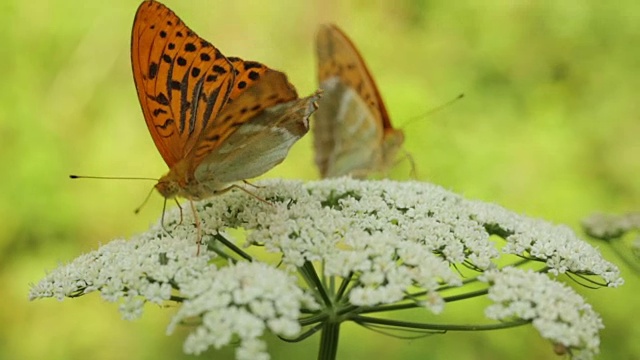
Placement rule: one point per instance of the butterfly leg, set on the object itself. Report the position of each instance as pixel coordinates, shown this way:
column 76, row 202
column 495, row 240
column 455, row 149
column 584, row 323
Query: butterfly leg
column 252, row 185
column 236, row 186
column 164, row 208
column 407, row 155
column 179, row 207
column 198, row 226
column 412, row 162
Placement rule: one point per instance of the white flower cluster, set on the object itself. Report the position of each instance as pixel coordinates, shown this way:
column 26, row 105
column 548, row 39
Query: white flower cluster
column 143, row 267
column 603, row 226
column 556, row 245
column 237, row 302
column 393, row 235
column 556, row 311
column 244, row 300
column 390, row 235
column 386, row 237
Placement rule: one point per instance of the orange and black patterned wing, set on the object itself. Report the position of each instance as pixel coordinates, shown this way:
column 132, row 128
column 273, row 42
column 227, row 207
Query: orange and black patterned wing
column 182, row 80
column 261, row 125
column 338, row 57
column 247, row 73
column 352, row 131
column 266, row 90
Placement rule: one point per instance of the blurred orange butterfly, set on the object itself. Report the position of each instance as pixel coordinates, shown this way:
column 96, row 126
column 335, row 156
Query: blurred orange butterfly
column 352, row 131
column 215, row 120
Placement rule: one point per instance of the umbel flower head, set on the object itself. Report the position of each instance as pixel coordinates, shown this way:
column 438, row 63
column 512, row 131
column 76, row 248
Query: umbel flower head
column 347, row 250
column 620, row 232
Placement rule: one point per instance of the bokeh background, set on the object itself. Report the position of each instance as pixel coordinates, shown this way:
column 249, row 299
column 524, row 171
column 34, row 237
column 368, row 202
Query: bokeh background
column 549, row 127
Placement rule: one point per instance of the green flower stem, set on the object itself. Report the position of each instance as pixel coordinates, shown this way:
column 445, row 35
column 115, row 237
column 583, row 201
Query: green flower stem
column 414, row 305
column 224, row 241
column 304, row 335
column 343, row 287
column 317, row 318
column 329, row 341
column 309, row 274
column 366, row 320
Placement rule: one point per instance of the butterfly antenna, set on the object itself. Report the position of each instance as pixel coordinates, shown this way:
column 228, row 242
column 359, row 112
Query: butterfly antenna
column 109, row 177
column 433, row 111
column 137, row 210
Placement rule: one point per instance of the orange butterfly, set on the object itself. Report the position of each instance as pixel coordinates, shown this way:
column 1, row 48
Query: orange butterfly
column 215, row 120
column 352, row 131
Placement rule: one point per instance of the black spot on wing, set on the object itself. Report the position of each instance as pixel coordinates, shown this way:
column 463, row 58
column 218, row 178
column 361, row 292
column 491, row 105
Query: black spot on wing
column 184, row 102
column 197, row 91
column 153, row 70
column 176, row 85
column 211, row 102
column 165, row 125
column 254, row 75
column 162, row 129
column 170, row 81
column 248, row 65
column 161, row 99
column 219, row 69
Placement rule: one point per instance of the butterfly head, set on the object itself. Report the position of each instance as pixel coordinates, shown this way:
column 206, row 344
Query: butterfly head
column 168, row 187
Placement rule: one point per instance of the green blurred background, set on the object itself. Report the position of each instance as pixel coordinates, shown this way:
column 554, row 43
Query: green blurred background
column 549, row 127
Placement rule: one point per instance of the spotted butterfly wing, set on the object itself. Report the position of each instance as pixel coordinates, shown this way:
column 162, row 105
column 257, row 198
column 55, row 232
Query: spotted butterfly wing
column 204, row 110
column 182, row 80
column 352, row 131
column 251, row 150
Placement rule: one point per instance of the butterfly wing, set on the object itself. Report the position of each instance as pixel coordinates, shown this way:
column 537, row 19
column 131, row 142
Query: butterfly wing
column 352, row 130
column 246, row 74
column 260, row 126
column 182, row 80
